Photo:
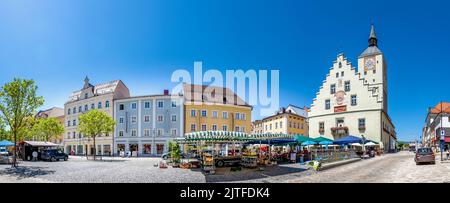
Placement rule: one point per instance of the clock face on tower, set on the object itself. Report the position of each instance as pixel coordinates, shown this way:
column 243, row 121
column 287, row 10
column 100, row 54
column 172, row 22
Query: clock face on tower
column 369, row 63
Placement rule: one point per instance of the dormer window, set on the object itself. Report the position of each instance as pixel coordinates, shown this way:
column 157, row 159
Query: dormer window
column 85, row 95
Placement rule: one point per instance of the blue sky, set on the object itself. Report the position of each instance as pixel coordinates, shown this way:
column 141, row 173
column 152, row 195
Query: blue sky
column 57, row 43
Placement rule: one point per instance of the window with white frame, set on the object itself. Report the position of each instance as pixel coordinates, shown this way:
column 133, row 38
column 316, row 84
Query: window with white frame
column 225, row 115
column 134, row 105
column 224, row 128
column 159, row 132
column 174, row 104
column 174, row 118
column 121, row 107
column 160, row 104
column 146, row 118
column 214, row 114
column 133, row 133
column 146, row 132
column 237, row 116
column 204, row 112
column 193, row 112
column 174, row 132
column 243, row 116
column 160, row 118
column 192, row 127
column 133, row 119
column 236, row 129
column 147, row 105
column 203, row 127
column 353, row 100
column 214, row 127
column 121, row 120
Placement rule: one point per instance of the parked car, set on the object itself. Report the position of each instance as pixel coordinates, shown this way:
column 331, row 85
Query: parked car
column 3, row 151
column 424, row 155
column 54, row 155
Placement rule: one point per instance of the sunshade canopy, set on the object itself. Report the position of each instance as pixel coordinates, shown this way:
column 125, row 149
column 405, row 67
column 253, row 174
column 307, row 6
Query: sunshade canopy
column 307, row 143
column 302, row 138
column 6, row 143
column 348, row 140
column 321, row 139
column 370, row 144
column 214, row 136
column 326, row 143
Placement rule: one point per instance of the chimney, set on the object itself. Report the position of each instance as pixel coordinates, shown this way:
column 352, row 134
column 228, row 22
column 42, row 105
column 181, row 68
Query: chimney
column 166, row 92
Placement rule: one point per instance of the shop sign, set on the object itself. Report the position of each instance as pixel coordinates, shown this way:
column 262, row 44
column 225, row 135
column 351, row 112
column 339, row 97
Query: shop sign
column 338, row 109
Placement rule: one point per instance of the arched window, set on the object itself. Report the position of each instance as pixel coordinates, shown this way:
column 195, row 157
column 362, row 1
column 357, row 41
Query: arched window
column 99, row 105
column 106, row 104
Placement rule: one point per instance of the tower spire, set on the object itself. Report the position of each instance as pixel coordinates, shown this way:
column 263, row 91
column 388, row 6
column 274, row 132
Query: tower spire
column 373, row 41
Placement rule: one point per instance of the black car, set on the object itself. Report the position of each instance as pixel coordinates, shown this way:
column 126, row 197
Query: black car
column 54, row 155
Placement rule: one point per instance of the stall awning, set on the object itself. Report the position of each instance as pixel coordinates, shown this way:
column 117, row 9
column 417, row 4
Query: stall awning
column 41, row 144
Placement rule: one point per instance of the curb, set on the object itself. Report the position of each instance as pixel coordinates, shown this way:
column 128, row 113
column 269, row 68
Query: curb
column 339, row 163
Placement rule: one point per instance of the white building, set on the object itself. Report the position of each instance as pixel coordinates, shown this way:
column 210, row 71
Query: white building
column 355, row 101
column 100, row 97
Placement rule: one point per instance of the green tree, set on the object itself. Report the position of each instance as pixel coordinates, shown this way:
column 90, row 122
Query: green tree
column 47, row 128
column 4, row 135
column 18, row 101
column 95, row 123
column 175, row 152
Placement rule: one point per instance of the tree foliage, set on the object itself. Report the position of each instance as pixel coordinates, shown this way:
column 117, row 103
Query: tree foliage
column 175, row 151
column 95, row 123
column 47, row 128
column 18, row 102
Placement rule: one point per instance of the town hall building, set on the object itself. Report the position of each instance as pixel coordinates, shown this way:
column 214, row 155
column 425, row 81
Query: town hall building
column 355, row 101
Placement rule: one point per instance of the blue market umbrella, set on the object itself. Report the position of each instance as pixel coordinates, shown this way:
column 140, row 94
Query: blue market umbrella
column 326, row 143
column 6, row 143
column 348, row 140
column 307, row 143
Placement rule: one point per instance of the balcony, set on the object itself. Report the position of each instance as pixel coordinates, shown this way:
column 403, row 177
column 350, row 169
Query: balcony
column 339, row 130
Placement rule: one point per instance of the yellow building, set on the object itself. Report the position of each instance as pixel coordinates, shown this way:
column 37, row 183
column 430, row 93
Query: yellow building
column 208, row 108
column 285, row 121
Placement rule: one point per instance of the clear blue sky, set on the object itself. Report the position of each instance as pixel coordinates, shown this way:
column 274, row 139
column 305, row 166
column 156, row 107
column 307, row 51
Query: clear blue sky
column 58, row 42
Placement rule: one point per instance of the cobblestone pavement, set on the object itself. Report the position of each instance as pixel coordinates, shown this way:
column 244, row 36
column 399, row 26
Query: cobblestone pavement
column 80, row 170
column 390, row 168
column 399, row 167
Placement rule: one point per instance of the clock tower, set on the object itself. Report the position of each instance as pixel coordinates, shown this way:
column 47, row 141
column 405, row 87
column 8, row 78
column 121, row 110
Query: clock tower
column 372, row 69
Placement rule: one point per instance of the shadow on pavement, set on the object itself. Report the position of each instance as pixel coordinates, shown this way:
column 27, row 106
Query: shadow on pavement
column 225, row 174
column 22, row 172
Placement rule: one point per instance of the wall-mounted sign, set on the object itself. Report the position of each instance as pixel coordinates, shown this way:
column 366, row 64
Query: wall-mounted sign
column 338, row 109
